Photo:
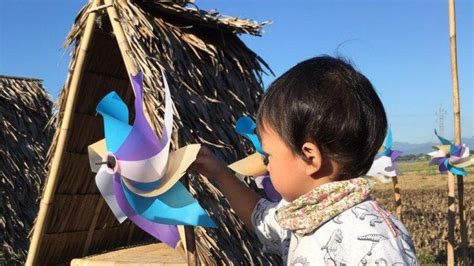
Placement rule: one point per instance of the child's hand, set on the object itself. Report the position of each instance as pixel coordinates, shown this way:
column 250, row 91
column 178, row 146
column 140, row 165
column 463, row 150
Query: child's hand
column 208, row 165
column 242, row 199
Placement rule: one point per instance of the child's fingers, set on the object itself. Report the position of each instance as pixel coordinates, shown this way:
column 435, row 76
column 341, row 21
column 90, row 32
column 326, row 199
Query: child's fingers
column 199, row 163
column 204, row 156
column 204, row 151
column 206, row 163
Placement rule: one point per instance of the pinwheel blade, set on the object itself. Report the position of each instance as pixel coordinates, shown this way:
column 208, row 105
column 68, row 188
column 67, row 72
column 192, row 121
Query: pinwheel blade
column 444, row 149
column 142, row 142
column 179, row 162
column 382, row 166
column 251, row 165
column 442, row 140
column 104, row 181
column 176, row 206
column 145, row 171
column 463, row 162
column 166, row 233
column 265, row 183
column 443, row 165
column 440, row 153
column 454, row 170
column 388, row 143
column 97, row 152
column 143, row 158
column 394, row 155
column 382, row 179
column 115, row 115
column 462, row 151
column 246, row 127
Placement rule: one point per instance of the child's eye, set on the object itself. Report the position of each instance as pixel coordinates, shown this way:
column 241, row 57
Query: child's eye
column 265, row 159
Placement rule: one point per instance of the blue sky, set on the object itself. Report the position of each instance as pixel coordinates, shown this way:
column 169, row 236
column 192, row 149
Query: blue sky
column 401, row 46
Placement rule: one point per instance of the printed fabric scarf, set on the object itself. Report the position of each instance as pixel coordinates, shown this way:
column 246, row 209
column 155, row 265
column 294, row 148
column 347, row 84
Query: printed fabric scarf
column 305, row 214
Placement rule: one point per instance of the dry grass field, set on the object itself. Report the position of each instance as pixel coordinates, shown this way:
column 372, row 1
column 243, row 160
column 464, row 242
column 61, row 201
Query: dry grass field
column 424, row 202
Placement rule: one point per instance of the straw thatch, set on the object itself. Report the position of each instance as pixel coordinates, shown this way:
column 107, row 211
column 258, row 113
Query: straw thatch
column 214, row 79
column 25, row 109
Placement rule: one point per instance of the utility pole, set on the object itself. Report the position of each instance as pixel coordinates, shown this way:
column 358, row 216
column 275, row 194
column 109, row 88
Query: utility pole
column 440, row 113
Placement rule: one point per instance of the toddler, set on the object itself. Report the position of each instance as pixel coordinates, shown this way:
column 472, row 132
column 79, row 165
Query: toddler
column 320, row 124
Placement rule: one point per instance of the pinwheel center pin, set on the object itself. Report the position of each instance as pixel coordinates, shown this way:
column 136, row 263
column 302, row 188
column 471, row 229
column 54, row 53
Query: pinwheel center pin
column 111, row 162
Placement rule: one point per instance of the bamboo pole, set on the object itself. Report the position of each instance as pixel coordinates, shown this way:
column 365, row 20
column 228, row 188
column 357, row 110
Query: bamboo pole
column 66, row 123
column 124, row 47
column 457, row 138
column 133, row 69
column 398, row 198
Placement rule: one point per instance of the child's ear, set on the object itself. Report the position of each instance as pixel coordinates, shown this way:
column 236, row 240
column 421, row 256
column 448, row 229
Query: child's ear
column 312, row 156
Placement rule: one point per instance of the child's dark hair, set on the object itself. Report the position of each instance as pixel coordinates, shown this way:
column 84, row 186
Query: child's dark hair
column 326, row 101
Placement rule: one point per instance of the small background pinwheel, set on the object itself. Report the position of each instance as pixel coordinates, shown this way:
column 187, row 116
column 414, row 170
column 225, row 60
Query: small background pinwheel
column 385, row 170
column 451, row 157
column 384, row 167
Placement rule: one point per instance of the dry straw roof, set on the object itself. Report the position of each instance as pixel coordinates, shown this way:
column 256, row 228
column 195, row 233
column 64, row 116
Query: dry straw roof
column 25, row 109
column 214, row 79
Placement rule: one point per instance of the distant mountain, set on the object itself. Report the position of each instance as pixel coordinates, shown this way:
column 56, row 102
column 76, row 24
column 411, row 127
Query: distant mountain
column 412, row 148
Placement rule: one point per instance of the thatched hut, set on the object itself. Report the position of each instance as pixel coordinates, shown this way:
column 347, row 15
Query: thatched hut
column 25, row 109
column 214, row 79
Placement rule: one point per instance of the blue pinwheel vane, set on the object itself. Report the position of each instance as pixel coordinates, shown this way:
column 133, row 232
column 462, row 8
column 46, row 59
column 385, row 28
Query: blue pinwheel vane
column 451, row 157
column 246, row 127
column 384, row 168
column 136, row 173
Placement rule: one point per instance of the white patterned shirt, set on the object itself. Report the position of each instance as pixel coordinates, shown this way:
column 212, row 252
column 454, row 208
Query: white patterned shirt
column 364, row 234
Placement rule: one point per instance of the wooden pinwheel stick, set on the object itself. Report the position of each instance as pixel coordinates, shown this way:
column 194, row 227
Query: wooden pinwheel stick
column 451, row 219
column 457, row 131
column 189, row 235
column 398, row 198
column 462, row 221
column 190, row 245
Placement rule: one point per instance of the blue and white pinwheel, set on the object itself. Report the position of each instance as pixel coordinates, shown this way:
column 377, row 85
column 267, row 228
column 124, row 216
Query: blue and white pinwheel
column 136, row 173
column 384, row 167
column 451, row 157
column 253, row 165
